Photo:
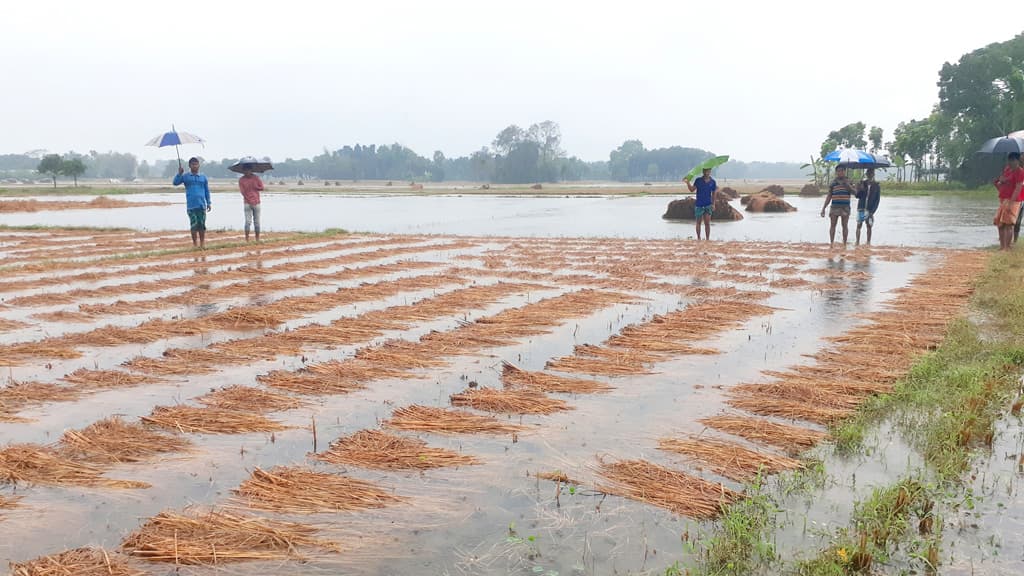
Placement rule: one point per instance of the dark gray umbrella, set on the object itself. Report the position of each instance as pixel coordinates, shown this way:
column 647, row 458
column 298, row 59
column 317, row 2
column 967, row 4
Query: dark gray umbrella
column 250, row 162
column 1002, row 145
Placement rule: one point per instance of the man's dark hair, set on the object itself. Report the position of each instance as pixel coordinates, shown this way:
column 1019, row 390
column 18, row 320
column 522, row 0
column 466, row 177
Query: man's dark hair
column 1013, row 156
column 193, row 159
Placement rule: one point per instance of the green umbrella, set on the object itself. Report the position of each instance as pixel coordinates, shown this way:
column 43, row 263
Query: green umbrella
column 709, row 163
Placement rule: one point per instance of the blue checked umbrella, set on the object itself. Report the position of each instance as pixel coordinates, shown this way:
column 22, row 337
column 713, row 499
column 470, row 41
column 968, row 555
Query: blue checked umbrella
column 175, row 138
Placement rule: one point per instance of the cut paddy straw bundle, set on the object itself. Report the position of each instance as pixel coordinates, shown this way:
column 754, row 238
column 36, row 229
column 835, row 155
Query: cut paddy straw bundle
column 304, row 491
column 16, row 396
column 383, row 451
column 87, row 379
column 512, row 377
column 114, row 440
column 77, row 562
column 729, row 459
column 443, row 421
column 793, row 439
column 792, row 409
column 242, row 398
column 676, row 491
column 557, row 476
column 219, row 537
column 509, row 401
column 32, row 464
column 210, row 420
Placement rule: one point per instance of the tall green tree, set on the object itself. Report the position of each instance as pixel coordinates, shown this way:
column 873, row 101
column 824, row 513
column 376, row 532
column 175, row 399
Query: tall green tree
column 875, row 135
column 73, row 167
column 51, row 164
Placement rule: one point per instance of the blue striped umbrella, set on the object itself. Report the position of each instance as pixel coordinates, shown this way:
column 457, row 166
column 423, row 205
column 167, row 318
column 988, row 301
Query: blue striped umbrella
column 851, row 158
column 175, row 138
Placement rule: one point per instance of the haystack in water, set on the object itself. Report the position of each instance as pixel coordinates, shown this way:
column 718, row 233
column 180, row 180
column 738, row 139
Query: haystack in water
column 767, row 202
column 683, row 209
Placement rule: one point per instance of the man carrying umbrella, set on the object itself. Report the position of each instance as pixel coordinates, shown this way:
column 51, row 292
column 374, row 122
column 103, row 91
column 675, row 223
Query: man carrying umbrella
column 250, row 186
column 868, row 195
column 197, row 200
column 1009, row 184
column 839, row 193
column 703, row 207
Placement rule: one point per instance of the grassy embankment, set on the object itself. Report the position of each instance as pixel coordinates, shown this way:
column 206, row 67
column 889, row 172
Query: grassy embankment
column 946, row 408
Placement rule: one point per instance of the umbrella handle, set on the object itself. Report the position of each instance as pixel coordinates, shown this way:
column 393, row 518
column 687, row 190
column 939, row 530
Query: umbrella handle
column 179, row 155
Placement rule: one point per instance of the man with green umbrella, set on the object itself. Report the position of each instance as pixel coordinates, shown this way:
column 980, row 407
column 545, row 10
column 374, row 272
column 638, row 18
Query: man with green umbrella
column 705, row 204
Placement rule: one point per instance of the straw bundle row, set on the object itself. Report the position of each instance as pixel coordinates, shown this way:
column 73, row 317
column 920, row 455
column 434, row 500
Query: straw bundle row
column 77, row 562
column 509, row 401
column 676, row 491
column 210, row 420
column 98, row 202
column 67, row 316
column 303, row 491
column 383, row 451
column 6, row 325
column 114, row 440
column 558, row 476
column 220, row 537
column 247, row 398
column 513, row 377
column 16, row 396
column 443, row 421
column 791, row 409
column 729, row 459
column 598, row 366
column 819, row 396
column 32, row 464
column 793, row 439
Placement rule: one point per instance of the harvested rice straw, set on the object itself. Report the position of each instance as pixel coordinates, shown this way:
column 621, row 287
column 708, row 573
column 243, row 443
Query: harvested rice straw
column 77, row 562
column 383, row 451
column 219, row 537
column 32, row 464
column 210, row 420
column 557, row 476
column 114, row 440
column 792, row 409
column 512, row 376
column 852, row 387
column 793, row 439
column 729, row 459
column 637, row 342
column 598, row 366
column 62, row 316
column 7, row 324
column 402, row 355
column 443, row 421
column 303, row 491
column 618, row 355
column 8, row 502
column 509, row 401
column 676, row 491
column 243, row 398
column 801, row 392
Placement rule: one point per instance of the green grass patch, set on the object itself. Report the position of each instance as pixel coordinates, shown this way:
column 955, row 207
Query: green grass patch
column 740, row 546
column 948, row 403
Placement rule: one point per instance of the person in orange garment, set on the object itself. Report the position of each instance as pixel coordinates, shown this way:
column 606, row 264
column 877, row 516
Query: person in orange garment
column 1009, row 184
column 250, row 186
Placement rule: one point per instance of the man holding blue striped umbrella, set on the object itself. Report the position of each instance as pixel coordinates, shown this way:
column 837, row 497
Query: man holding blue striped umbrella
column 839, row 194
column 197, row 200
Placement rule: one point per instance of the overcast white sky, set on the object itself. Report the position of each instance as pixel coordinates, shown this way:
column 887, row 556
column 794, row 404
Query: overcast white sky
column 757, row 80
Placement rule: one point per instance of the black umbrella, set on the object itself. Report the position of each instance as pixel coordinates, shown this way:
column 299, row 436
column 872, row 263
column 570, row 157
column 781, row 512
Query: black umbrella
column 1002, row 145
column 250, row 162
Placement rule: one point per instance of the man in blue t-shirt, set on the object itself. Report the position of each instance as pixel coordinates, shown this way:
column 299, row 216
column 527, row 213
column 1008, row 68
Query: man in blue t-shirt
column 705, row 188
column 197, row 200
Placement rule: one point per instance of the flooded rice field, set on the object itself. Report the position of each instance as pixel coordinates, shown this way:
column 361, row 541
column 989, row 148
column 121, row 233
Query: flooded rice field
column 940, row 220
column 395, row 404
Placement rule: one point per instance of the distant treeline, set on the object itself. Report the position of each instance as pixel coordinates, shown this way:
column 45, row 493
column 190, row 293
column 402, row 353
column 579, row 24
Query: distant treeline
column 515, row 156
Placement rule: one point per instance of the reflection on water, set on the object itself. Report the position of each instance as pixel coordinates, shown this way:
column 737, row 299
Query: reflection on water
column 943, row 220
